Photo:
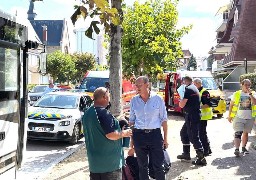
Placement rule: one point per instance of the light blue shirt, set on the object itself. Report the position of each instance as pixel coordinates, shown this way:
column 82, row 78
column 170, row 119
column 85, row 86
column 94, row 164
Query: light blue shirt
column 149, row 115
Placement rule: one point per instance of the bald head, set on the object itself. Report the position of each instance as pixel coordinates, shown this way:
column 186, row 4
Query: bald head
column 99, row 93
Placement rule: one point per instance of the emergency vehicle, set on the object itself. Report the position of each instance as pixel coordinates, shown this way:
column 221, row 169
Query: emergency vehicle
column 171, row 81
column 14, row 46
column 94, row 79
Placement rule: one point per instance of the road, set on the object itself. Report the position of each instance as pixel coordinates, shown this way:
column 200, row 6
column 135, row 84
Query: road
column 222, row 165
column 41, row 155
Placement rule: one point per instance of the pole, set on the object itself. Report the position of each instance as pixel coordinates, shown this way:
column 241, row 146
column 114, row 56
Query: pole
column 245, row 65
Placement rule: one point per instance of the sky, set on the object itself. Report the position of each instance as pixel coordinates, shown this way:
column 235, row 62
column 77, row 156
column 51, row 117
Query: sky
column 199, row 13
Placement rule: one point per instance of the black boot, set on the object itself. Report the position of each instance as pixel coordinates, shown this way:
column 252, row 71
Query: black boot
column 184, row 156
column 200, row 159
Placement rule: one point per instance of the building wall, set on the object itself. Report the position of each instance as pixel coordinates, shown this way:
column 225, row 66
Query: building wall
column 51, row 49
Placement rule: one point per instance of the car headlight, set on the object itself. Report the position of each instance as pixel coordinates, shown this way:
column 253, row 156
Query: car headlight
column 64, row 123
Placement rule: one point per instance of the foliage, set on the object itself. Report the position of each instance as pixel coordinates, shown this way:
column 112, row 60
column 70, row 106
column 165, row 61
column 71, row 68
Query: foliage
column 83, row 63
column 151, row 40
column 60, row 66
column 192, row 65
column 99, row 8
column 252, row 77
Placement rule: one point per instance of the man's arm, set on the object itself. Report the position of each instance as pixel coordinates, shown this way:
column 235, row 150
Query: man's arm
column 205, row 100
column 165, row 130
column 230, row 110
column 183, row 103
column 118, row 135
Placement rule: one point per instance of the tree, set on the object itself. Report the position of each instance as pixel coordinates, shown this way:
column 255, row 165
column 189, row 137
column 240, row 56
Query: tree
column 111, row 18
column 151, row 40
column 192, row 65
column 60, row 66
column 83, row 63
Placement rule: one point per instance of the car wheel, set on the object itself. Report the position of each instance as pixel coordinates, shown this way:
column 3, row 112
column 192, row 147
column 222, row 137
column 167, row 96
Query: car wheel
column 76, row 135
column 219, row 115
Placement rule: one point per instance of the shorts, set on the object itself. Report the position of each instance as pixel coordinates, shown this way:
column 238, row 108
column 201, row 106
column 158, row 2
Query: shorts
column 244, row 125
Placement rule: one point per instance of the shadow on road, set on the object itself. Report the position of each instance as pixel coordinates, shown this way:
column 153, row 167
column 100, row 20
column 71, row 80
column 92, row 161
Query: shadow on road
column 84, row 169
column 179, row 167
column 36, row 145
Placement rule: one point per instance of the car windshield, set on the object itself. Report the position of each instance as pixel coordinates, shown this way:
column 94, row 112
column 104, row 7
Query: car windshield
column 38, row 89
column 57, row 101
column 92, row 83
column 209, row 83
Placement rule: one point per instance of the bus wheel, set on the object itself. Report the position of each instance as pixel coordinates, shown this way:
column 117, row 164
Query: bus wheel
column 76, row 135
column 219, row 115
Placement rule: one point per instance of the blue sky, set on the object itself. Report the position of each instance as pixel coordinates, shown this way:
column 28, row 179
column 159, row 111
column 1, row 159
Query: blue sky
column 199, row 13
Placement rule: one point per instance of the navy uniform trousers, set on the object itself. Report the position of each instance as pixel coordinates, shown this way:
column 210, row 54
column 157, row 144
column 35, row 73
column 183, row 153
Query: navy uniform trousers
column 190, row 132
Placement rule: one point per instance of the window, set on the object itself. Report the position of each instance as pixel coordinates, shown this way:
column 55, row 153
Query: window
column 8, row 69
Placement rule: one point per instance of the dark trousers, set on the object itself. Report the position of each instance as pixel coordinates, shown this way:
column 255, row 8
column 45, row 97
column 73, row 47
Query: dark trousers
column 203, row 136
column 146, row 144
column 114, row 175
column 190, row 132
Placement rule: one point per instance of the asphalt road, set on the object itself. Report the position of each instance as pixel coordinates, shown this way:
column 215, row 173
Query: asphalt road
column 222, row 164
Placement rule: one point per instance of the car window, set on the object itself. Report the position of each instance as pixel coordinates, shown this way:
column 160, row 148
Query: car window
column 92, row 83
column 58, row 101
column 38, row 89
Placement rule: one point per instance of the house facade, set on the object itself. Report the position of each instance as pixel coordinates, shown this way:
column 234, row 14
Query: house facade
column 51, row 35
column 235, row 51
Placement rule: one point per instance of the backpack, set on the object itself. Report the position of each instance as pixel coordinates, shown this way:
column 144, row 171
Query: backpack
column 126, row 173
column 166, row 165
column 132, row 163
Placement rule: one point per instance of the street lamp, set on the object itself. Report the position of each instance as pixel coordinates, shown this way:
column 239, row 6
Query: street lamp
column 245, row 65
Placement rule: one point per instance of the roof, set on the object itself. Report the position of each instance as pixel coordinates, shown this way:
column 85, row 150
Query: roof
column 194, row 74
column 186, row 53
column 67, row 93
column 244, row 45
column 98, row 74
column 54, row 30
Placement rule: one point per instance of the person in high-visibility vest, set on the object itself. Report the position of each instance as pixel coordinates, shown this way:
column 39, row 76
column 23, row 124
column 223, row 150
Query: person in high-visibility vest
column 206, row 114
column 242, row 112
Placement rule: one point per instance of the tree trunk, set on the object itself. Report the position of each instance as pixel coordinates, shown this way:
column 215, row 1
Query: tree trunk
column 115, row 69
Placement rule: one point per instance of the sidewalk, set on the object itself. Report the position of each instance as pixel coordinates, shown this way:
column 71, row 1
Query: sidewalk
column 221, row 165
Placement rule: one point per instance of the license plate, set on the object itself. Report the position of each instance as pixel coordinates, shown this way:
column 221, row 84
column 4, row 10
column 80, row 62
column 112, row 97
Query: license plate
column 41, row 129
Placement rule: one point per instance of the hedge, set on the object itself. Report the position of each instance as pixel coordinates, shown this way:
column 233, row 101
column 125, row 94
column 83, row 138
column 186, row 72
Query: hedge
column 252, row 77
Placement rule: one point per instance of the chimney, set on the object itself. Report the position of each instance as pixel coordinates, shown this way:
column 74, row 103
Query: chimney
column 44, row 34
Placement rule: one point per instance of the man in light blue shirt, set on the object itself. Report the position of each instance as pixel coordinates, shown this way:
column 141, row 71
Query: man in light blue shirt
column 148, row 114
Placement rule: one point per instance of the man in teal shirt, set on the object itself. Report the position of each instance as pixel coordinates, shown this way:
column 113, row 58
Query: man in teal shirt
column 103, row 138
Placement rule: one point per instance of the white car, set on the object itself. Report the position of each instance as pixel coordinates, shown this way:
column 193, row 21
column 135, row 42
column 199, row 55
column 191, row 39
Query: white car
column 57, row 116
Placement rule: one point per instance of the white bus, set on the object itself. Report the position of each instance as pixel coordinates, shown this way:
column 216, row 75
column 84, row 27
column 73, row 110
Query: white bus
column 13, row 94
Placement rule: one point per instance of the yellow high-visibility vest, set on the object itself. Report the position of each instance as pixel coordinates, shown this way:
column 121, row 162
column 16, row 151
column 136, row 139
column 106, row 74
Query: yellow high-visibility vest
column 206, row 113
column 237, row 96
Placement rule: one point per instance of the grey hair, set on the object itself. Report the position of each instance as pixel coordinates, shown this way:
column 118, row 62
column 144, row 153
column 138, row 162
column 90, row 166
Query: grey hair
column 144, row 78
column 197, row 80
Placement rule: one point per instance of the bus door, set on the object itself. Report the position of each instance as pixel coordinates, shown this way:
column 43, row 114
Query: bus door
column 12, row 39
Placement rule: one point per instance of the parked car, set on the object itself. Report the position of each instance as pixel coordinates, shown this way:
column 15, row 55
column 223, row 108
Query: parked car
column 36, row 93
column 57, row 116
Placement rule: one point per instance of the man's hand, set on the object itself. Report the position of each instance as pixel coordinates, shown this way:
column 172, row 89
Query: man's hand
column 126, row 133
column 131, row 152
column 230, row 119
column 165, row 144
